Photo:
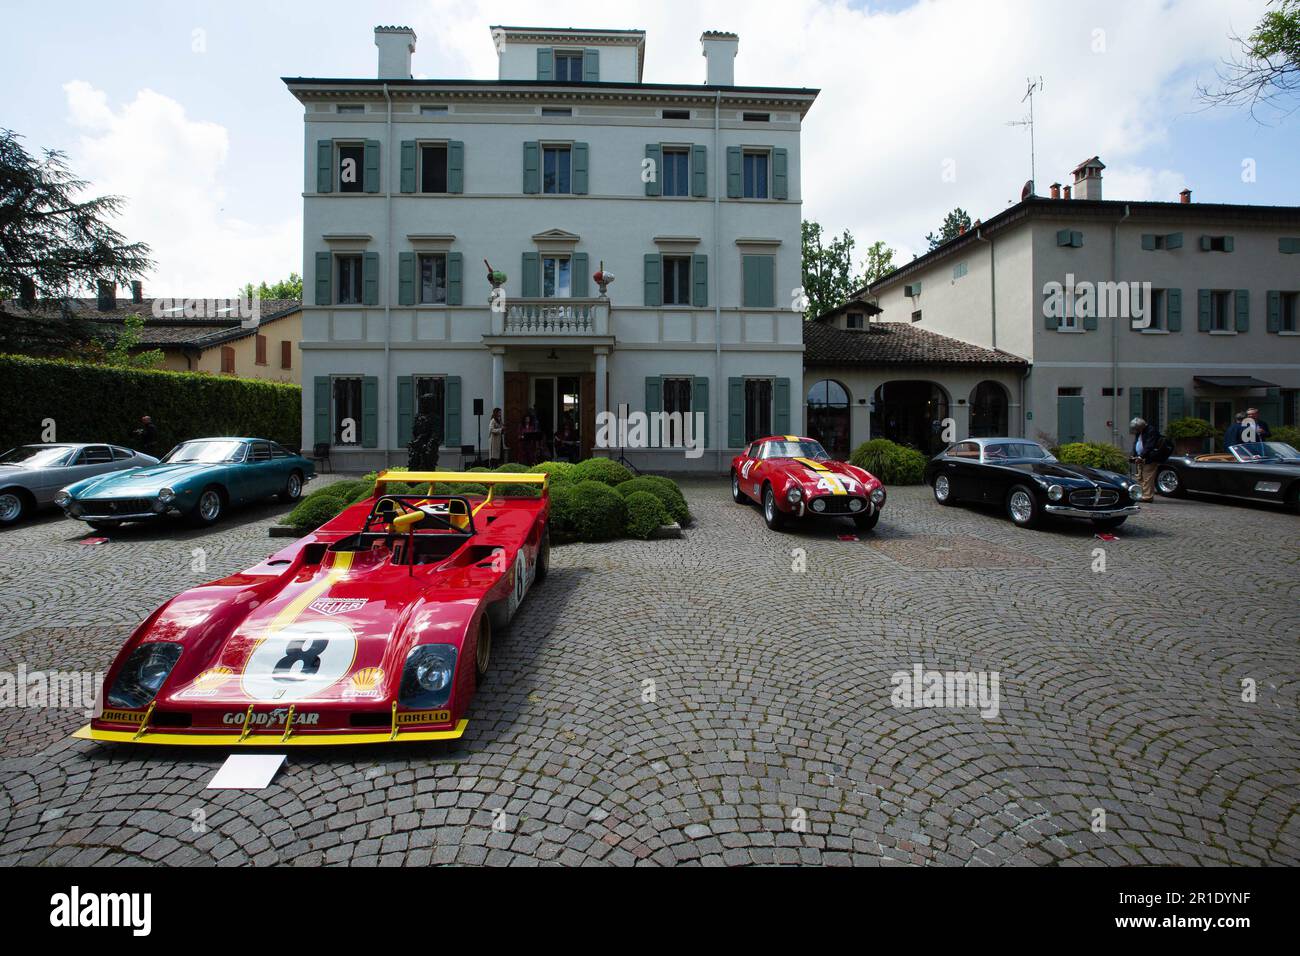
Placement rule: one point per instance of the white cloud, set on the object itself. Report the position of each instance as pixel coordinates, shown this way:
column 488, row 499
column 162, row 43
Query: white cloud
column 173, row 172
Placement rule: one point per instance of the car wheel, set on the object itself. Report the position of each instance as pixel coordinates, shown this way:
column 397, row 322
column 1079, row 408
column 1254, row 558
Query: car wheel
column 13, row 507
column 1023, row 507
column 867, row 522
column 543, row 557
column 292, row 487
column 942, row 490
column 483, row 649
column 771, row 513
column 1106, row 524
column 1168, row 483
column 105, row 525
column 737, row 495
column 211, row 505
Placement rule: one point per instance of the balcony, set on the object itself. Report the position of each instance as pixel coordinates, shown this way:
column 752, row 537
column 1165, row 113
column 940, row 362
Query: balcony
column 552, row 318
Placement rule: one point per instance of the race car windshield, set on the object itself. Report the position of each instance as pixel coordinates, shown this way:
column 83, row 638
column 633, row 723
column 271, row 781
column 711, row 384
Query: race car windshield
column 796, row 449
column 35, row 456
column 1265, row 451
column 206, row 452
column 1016, row 451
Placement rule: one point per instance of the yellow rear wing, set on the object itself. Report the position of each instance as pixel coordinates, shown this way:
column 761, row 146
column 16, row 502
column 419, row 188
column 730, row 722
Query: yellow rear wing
column 489, row 478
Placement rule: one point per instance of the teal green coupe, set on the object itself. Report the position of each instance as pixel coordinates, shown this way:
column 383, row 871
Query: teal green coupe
column 197, row 480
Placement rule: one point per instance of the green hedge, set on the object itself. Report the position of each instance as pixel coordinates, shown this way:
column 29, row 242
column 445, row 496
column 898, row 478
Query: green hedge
column 645, row 513
column 893, row 464
column 313, row 512
column 1190, row 428
column 601, row 469
column 1094, row 455
column 665, row 489
column 600, row 513
column 1285, row 433
column 103, row 403
column 557, row 472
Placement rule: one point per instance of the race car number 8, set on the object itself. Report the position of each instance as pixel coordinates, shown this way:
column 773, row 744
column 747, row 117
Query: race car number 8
column 299, row 661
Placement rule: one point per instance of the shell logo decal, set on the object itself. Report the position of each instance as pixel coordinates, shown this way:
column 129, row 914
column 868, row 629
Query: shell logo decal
column 366, row 682
column 209, row 682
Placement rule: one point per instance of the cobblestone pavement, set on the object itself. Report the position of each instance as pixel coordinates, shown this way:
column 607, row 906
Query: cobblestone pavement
column 768, row 734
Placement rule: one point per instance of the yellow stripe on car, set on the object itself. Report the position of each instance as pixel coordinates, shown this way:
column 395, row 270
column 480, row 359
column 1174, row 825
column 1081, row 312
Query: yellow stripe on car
column 268, row 740
column 291, row 611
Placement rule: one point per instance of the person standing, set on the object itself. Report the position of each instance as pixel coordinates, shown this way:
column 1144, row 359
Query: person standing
column 1146, row 442
column 145, row 436
column 496, row 438
column 1260, row 430
column 1233, row 434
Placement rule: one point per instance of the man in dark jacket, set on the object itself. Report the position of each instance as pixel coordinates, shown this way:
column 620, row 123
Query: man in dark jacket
column 1232, row 436
column 145, row 436
column 1146, row 454
column 1261, row 431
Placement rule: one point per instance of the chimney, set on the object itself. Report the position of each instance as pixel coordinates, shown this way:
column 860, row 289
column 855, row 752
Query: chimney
column 1066, row 194
column 137, row 292
column 396, row 44
column 720, row 52
column 1185, row 196
column 1087, row 178
column 1056, row 190
column 106, row 300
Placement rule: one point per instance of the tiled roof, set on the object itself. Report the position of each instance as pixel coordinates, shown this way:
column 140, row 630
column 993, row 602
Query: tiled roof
column 894, row 343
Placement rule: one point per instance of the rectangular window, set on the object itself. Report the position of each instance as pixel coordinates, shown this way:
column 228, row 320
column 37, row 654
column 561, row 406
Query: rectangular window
column 1156, row 309
column 677, row 398
column 959, row 270
column 557, row 167
column 1152, row 406
column 352, row 158
column 854, row 321
column 676, row 114
column 557, row 277
column 1216, row 243
column 261, row 349
column 430, row 396
column 677, row 280
column 758, row 408
column 347, row 411
column 757, row 117
column 1221, row 319
column 433, row 278
column 352, row 107
column 676, row 172
column 433, row 168
column 1289, row 312
column 429, row 109
column 349, row 270
column 286, row 354
column 227, row 360
column 916, row 316
column 557, row 111
column 755, row 166
column 568, row 67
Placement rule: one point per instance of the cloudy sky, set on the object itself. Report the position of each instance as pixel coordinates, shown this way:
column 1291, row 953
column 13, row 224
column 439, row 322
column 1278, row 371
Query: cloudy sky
column 179, row 106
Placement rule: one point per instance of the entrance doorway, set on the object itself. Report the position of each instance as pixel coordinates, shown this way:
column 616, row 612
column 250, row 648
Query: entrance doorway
column 558, row 401
column 910, row 413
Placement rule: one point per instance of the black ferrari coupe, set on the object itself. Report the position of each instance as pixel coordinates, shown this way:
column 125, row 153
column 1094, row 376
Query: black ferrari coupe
column 1025, row 478
column 1260, row 471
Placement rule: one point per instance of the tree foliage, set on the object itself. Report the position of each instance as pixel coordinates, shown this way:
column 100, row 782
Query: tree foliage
column 119, row 348
column 828, row 276
column 290, row 288
column 1265, row 70
column 954, row 224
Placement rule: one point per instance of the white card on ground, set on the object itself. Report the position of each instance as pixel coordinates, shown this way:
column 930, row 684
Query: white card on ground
column 246, row 772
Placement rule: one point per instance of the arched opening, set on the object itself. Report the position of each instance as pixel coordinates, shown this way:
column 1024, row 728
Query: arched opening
column 910, row 413
column 828, row 417
column 988, row 410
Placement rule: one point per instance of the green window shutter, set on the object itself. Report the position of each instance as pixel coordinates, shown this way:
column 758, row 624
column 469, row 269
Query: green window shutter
column 581, row 152
column 370, row 279
column 370, row 178
column 654, row 401
column 406, row 278
column 456, row 166
column 780, row 174
column 1274, row 311
column 655, row 154
column 735, row 412
column 370, row 412
column 405, row 409
column 578, row 275
column 1176, row 402
column 325, row 166
column 1063, row 237
column 591, row 65
column 532, row 168
column 324, row 278
column 653, row 280
column 1174, row 310
column 1148, row 242
column 408, row 166
column 1228, row 244
column 1051, row 322
column 1205, row 243
column 1134, row 403
column 451, row 412
column 546, row 63
column 759, row 292
column 1174, row 240
column 1203, row 310
column 700, row 404
column 1242, row 300
column 1076, row 239
column 699, row 171
column 1288, row 245
column 1090, row 322
column 735, row 185
column 781, row 406
column 531, row 274
column 321, row 410
column 455, row 278
column 700, row 281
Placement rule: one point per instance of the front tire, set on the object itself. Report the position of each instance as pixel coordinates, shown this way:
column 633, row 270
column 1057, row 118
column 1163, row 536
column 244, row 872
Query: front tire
column 543, row 558
column 737, row 495
column 211, row 506
column 1169, row 484
column 292, row 487
column 771, row 513
column 1022, row 507
column 942, row 490
column 14, row 507
column 483, row 650
column 867, row 522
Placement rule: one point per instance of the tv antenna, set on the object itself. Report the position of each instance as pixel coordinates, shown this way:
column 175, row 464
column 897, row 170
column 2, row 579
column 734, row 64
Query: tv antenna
column 1032, row 86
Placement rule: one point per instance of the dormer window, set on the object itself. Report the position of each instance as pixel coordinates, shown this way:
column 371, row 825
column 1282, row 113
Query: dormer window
column 855, row 321
column 568, row 66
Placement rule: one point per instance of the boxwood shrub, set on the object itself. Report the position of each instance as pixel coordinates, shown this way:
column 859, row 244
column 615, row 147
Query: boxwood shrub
column 557, row 472
column 600, row 512
column 1094, row 455
column 1285, row 433
column 1190, row 428
column 665, row 489
column 564, row 514
column 892, row 463
column 313, row 512
column 601, row 469
column 645, row 513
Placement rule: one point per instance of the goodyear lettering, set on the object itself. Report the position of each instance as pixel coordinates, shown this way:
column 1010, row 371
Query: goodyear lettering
column 273, row 718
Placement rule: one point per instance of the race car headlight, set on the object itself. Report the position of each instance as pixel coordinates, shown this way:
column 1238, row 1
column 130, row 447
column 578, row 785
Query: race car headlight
column 142, row 676
column 63, row 499
column 855, row 504
column 166, row 496
column 794, row 494
column 1056, row 492
column 878, row 497
column 427, row 676
column 819, row 505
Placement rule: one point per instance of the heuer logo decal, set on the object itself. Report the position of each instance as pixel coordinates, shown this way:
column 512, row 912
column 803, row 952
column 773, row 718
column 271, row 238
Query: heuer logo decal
column 424, row 717
column 332, row 606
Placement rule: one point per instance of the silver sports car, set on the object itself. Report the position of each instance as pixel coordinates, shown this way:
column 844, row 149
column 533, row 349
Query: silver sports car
column 31, row 475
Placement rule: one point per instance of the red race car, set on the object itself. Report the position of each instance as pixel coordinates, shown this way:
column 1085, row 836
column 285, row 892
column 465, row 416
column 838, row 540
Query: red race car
column 375, row 628
column 793, row 477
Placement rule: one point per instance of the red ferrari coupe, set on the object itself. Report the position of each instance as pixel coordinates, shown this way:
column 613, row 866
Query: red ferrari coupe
column 793, row 477
column 375, row 628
